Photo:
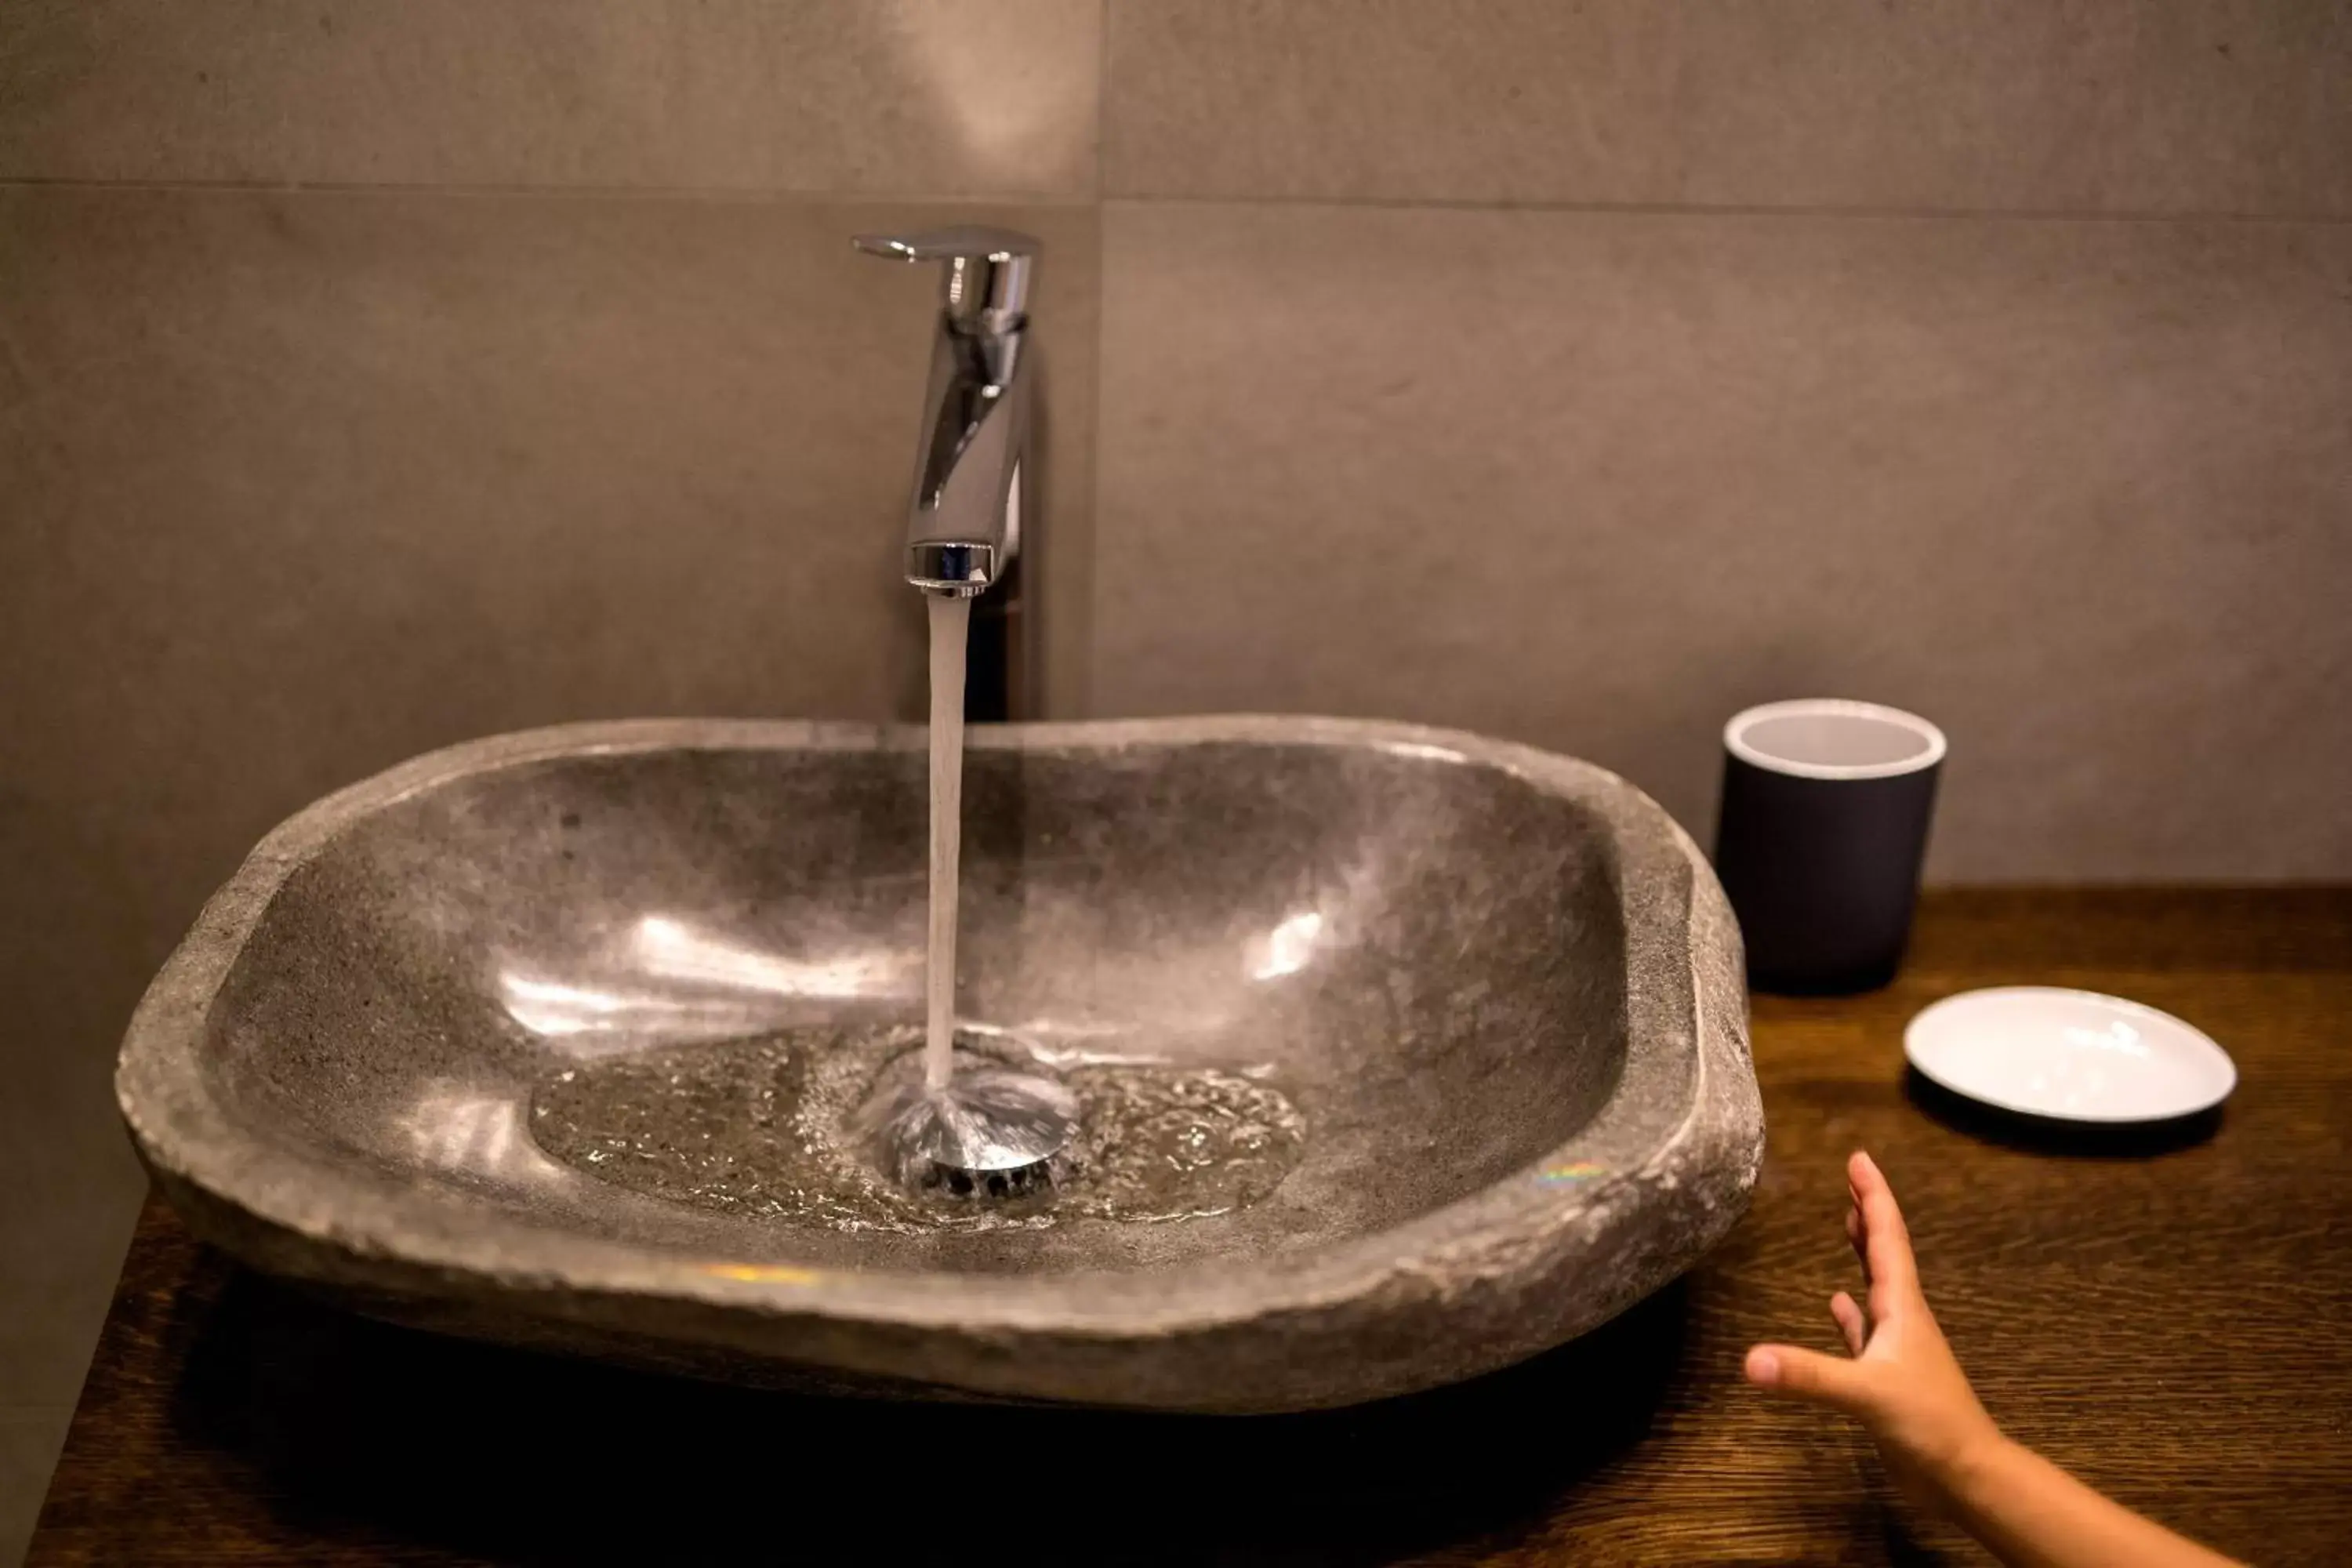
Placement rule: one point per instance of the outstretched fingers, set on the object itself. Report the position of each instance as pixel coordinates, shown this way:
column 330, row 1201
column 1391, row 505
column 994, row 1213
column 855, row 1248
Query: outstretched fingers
column 1833, row 1381
column 1850, row 1321
column 1887, row 1241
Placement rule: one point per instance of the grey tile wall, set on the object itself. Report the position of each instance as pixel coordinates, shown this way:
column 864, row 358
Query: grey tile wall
column 2073, row 105
column 892, row 97
column 412, row 465
column 2076, row 491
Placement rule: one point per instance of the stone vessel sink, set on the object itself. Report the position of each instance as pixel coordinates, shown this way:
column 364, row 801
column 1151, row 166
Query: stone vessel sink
column 1500, row 988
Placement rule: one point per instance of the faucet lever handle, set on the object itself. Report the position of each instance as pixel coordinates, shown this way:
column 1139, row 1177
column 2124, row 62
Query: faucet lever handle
column 966, row 240
column 986, row 288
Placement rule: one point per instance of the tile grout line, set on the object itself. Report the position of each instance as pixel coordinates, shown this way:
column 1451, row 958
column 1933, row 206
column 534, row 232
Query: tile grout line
column 758, row 195
column 1737, row 210
column 715, row 196
column 1102, row 99
column 1085, row 660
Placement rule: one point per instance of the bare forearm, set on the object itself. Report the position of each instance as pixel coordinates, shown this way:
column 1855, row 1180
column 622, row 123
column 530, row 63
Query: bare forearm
column 2031, row 1514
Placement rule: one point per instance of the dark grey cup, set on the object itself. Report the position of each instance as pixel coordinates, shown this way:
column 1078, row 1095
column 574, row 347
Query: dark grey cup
column 1824, row 824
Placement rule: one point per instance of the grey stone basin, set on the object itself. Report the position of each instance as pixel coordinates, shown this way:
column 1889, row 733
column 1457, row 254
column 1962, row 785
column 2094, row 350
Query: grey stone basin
column 1499, row 990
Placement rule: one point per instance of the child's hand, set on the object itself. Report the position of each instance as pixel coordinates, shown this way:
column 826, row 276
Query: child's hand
column 1903, row 1382
column 1938, row 1444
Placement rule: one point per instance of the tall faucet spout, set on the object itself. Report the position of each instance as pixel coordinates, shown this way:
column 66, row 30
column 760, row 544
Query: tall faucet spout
column 963, row 520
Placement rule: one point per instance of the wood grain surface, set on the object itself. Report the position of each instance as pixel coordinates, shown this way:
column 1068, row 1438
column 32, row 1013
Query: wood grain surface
column 2167, row 1316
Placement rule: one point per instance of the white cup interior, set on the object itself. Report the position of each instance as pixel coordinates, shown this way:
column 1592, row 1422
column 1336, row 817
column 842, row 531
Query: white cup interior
column 1825, row 738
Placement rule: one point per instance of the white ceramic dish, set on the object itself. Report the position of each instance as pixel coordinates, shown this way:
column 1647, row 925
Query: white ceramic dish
column 2075, row 1055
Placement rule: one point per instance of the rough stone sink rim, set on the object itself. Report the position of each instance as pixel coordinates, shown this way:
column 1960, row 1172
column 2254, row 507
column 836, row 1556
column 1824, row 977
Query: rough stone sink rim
column 1513, row 1228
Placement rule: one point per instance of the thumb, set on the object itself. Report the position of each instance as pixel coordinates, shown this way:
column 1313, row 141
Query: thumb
column 1833, row 1381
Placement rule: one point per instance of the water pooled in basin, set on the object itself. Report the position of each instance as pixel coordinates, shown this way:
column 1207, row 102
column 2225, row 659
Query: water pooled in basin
column 764, row 1127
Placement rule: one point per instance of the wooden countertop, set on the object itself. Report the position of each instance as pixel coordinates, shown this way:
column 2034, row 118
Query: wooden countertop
column 2170, row 1318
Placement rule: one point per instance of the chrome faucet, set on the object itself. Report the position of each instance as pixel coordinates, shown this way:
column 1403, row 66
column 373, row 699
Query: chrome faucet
column 972, row 455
